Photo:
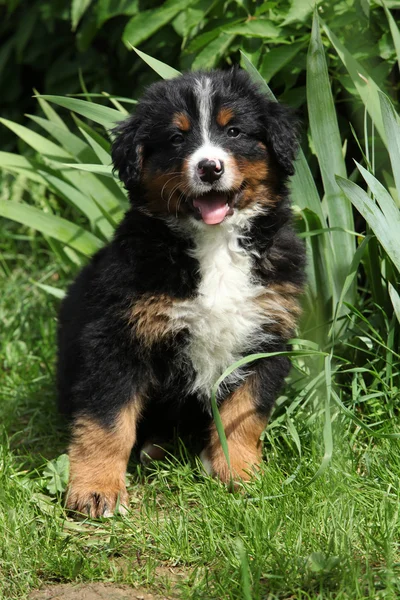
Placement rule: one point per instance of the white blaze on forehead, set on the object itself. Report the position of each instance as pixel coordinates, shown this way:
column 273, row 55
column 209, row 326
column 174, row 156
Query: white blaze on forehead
column 204, row 97
column 204, row 103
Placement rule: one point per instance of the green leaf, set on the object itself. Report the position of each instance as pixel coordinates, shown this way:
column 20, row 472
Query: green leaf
column 209, row 56
column 37, row 142
column 277, row 58
column 324, row 126
column 387, row 232
column 73, row 144
column 395, row 298
column 299, row 11
column 364, row 84
column 103, row 115
column 143, row 25
column 392, row 129
column 19, row 164
column 83, row 203
column 78, row 9
column 385, row 200
column 256, row 28
column 60, row 229
column 50, row 112
column 103, row 156
column 165, row 71
column 394, row 30
column 57, row 473
column 106, row 170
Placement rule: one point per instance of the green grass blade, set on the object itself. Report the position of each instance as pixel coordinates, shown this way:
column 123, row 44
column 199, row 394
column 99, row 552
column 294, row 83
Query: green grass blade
column 49, row 289
column 60, row 229
column 163, row 70
column 327, row 434
column 392, row 128
column 365, row 85
column 388, row 233
column 244, row 571
column 324, row 126
column 108, row 117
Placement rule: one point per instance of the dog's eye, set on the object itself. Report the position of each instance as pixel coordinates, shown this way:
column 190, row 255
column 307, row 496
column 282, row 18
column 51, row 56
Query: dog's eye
column 233, row 132
column 177, row 139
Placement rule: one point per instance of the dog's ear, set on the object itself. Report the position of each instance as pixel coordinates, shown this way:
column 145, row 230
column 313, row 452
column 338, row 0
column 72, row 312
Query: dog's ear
column 281, row 129
column 126, row 151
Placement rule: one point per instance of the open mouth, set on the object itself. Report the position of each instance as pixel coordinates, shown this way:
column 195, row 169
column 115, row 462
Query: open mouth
column 213, row 207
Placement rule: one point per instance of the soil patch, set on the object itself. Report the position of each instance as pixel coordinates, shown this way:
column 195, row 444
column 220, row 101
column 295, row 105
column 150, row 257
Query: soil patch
column 93, row 591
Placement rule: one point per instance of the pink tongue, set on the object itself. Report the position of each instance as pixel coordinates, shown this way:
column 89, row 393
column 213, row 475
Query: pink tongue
column 213, row 209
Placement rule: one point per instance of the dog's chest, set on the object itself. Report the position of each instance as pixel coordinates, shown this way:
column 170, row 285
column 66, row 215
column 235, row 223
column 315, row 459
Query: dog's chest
column 224, row 318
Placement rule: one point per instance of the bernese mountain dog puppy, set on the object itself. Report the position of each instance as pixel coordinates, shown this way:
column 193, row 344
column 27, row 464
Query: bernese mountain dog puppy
column 204, row 269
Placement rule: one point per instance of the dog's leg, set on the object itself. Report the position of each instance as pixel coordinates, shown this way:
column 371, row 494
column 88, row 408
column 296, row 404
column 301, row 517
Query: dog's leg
column 98, row 456
column 244, row 415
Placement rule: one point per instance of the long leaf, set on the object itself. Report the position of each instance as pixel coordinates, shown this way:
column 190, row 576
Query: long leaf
column 324, row 126
column 365, row 85
column 394, row 30
column 388, row 233
column 103, row 115
column 165, row 71
column 392, row 129
column 385, row 200
column 140, row 27
column 60, row 229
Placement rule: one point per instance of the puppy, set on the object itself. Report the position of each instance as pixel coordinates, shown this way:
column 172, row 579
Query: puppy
column 204, row 269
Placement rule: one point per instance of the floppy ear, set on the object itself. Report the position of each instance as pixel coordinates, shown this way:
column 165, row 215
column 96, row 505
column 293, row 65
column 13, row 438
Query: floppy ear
column 126, row 152
column 282, row 135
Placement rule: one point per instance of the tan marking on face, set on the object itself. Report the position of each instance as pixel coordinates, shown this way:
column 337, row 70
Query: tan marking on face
column 181, row 120
column 98, row 458
column 165, row 192
column 224, row 116
column 243, row 426
column 280, row 303
column 259, row 186
column 150, row 317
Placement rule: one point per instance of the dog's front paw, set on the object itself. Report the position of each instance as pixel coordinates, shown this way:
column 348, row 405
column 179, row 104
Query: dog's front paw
column 96, row 501
column 244, row 462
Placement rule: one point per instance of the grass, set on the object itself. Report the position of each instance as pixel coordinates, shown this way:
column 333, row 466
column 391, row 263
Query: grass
column 186, row 536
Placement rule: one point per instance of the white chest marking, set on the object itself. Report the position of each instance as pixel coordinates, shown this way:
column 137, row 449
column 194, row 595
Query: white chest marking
column 223, row 320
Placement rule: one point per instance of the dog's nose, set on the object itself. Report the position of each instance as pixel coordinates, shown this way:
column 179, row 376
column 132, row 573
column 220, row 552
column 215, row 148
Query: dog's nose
column 210, row 169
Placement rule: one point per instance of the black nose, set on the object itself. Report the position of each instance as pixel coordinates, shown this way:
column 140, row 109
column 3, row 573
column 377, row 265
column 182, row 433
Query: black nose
column 209, row 171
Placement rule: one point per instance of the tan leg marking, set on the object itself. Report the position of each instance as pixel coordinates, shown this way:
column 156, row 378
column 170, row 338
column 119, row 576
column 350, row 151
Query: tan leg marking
column 150, row 317
column 243, row 426
column 98, row 460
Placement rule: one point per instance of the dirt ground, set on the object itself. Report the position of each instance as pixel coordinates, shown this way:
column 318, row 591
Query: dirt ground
column 93, row 591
